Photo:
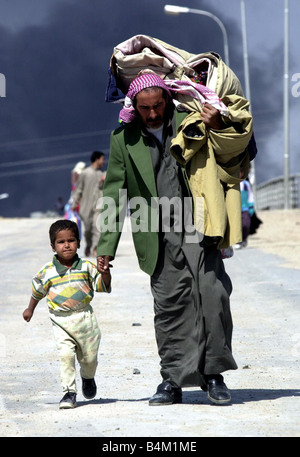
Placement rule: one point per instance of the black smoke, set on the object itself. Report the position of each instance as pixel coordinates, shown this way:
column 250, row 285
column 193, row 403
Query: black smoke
column 54, row 113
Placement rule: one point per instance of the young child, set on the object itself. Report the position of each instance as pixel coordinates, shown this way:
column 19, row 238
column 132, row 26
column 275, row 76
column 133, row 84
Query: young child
column 69, row 283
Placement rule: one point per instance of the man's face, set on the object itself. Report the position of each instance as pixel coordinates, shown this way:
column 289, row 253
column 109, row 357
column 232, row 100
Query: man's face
column 151, row 106
column 101, row 162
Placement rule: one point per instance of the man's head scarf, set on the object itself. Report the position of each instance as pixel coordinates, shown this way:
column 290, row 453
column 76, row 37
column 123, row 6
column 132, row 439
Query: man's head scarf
column 143, row 82
column 187, row 87
column 127, row 114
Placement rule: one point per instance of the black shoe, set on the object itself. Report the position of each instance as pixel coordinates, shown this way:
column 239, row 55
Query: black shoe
column 217, row 390
column 166, row 394
column 89, row 388
column 68, row 401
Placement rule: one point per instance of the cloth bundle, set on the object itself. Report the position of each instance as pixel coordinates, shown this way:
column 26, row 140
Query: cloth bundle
column 142, row 52
column 212, row 159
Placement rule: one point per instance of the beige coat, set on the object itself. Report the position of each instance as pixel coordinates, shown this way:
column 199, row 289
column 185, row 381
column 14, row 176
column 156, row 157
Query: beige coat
column 213, row 160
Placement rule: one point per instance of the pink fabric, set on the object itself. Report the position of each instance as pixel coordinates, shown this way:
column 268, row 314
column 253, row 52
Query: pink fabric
column 144, row 81
column 198, row 91
column 127, row 113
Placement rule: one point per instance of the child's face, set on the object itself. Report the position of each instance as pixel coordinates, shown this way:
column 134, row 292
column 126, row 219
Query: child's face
column 65, row 246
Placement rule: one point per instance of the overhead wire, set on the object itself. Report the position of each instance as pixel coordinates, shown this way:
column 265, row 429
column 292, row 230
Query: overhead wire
column 55, row 138
column 44, row 160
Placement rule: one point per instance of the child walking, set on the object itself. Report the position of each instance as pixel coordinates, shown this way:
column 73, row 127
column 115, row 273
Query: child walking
column 69, row 282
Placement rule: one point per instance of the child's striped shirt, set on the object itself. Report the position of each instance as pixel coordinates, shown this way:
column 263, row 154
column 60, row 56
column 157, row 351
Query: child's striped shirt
column 66, row 288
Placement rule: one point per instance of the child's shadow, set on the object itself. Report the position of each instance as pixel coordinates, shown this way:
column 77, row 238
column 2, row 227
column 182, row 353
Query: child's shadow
column 104, row 401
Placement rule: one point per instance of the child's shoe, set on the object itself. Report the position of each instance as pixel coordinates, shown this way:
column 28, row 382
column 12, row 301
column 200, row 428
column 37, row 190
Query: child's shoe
column 68, row 401
column 89, row 388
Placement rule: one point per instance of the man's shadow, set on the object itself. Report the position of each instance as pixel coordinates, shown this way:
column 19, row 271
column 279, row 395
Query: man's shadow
column 242, row 396
column 238, row 396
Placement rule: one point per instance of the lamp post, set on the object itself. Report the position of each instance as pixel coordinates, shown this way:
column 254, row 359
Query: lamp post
column 172, row 9
column 247, row 83
column 286, row 105
column 245, row 51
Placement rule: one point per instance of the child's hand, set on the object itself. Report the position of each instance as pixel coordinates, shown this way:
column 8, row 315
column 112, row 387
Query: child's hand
column 27, row 314
column 103, row 264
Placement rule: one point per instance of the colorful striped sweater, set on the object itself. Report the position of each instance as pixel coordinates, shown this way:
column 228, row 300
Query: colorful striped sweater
column 66, row 288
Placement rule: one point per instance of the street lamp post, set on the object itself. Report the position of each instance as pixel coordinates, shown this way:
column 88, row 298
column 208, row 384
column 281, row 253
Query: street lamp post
column 247, row 83
column 286, row 105
column 245, row 51
column 172, row 9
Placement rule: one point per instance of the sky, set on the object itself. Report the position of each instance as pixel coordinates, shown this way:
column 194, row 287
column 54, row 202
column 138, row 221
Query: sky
column 54, row 58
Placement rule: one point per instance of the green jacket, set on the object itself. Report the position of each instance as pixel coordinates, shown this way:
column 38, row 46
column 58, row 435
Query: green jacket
column 130, row 167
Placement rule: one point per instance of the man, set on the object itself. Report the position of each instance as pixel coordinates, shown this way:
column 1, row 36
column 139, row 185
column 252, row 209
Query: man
column 190, row 287
column 86, row 194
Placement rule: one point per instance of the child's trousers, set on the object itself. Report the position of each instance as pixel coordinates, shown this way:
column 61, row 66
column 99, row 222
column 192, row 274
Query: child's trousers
column 77, row 334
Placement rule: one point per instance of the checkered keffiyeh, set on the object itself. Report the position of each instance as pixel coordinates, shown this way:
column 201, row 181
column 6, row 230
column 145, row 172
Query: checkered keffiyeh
column 144, row 81
column 127, row 114
column 198, row 91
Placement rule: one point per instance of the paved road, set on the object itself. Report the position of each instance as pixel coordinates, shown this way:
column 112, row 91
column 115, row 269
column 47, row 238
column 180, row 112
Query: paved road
column 266, row 345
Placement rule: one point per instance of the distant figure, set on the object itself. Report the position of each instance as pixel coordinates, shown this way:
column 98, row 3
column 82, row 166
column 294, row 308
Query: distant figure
column 255, row 223
column 74, row 323
column 75, row 173
column 70, row 214
column 84, row 195
column 59, row 206
column 247, row 207
column 250, row 221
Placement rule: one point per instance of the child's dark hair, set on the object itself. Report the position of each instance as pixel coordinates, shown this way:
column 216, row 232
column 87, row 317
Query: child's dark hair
column 63, row 224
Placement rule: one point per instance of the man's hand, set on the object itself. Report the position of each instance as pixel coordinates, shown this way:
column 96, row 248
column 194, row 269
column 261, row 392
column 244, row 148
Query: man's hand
column 212, row 117
column 103, row 264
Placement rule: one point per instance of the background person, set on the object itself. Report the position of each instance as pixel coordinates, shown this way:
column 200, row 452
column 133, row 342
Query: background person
column 84, row 196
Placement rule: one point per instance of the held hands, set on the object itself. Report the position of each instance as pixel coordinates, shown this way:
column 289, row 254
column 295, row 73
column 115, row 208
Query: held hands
column 212, row 117
column 103, row 264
